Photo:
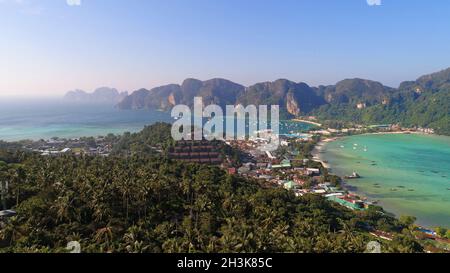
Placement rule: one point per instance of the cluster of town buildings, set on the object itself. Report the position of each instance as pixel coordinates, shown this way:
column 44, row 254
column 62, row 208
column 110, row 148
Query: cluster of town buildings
column 300, row 175
column 78, row 146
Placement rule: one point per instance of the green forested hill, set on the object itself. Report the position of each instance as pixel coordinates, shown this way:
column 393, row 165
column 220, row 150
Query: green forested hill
column 423, row 103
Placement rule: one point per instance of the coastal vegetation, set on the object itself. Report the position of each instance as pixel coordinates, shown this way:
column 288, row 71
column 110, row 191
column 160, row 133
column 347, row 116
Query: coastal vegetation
column 443, row 232
column 147, row 141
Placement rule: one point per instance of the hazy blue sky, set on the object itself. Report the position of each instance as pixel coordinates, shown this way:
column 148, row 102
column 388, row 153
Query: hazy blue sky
column 49, row 46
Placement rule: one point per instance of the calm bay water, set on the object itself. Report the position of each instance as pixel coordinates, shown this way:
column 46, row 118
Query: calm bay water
column 55, row 118
column 408, row 174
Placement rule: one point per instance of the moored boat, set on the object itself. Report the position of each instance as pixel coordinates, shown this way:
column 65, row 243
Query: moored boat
column 354, row 175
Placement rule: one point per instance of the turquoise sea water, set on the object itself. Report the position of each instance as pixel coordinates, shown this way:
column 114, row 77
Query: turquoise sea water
column 408, row 174
column 49, row 118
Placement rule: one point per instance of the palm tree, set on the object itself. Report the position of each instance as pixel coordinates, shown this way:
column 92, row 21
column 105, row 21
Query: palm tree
column 104, row 237
column 3, row 192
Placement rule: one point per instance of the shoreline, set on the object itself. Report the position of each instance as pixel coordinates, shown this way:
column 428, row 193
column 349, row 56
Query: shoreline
column 316, row 152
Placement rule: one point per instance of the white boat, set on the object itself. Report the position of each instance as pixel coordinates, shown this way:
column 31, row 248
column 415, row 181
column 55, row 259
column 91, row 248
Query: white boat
column 354, row 175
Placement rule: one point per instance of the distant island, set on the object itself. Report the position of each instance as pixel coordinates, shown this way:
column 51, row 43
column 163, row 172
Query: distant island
column 422, row 103
column 100, row 95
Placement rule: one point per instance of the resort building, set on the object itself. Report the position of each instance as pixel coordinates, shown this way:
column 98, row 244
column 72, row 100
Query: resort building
column 196, row 151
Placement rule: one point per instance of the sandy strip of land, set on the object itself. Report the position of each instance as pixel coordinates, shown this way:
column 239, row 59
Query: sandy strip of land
column 307, row 121
column 398, row 133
